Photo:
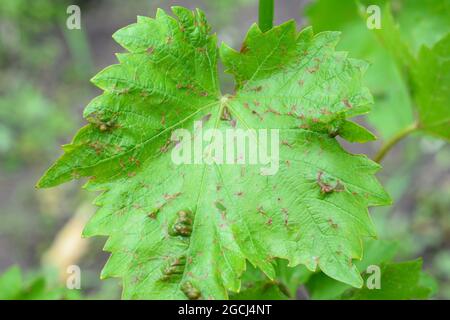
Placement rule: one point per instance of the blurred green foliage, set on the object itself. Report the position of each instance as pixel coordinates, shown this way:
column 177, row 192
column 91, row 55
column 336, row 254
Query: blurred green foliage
column 15, row 286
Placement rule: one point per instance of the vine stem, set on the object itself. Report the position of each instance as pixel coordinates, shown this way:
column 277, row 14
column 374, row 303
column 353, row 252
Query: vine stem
column 266, row 13
column 394, row 140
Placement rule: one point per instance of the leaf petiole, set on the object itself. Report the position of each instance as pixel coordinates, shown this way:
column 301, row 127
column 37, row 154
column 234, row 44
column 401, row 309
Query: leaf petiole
column 266, row 13
column 394, row 140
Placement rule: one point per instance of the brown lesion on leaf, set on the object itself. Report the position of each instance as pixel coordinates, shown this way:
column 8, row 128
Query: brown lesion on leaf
column 286, row 143
column 97, row 146
column 275, row 112
column 122, row 165
column 328, row 188
column 285, row 212
column 261, row 211
column 190, row 291
column 102, row 122
column 304, row 126
column 256, row 113
column 174, row 268
column 313, row 69
column 332, row 224
column 183, row 224
column 169, row 197
column 118, row 149
column 206, row 118
column 153, row 214
column 244, row 49
column 134, row 161
column 226, row 116
column 347, row 103
column 257, row 89
column 166, row 146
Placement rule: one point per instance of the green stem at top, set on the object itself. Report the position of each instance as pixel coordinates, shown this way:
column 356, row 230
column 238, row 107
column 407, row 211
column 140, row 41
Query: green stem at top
column 266, row 13
column 393, row 141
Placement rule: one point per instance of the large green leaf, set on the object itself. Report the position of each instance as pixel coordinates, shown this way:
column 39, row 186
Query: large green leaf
column 186, row 230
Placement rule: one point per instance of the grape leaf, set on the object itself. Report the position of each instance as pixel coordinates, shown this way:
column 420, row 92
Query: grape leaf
column 260, row 291
column 377, row 252
column 404, row 31
column 432, row 77
column 423, row 22
column 181, row 231
column 429, row 70
column 256, row 286
column 399, row 281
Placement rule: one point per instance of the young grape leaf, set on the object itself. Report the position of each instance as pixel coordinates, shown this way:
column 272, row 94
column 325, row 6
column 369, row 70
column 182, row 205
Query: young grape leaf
column 423, row 22
column 186, row 230
column 404, row 30
column 430, row 69
column 432, row 77
column 399, row 281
